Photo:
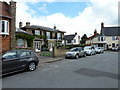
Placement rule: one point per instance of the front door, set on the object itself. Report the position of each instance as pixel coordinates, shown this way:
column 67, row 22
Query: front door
column 37, row 45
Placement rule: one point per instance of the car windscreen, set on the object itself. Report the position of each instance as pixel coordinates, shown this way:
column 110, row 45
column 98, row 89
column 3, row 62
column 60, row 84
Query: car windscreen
column 87, row 48
column 74, row 49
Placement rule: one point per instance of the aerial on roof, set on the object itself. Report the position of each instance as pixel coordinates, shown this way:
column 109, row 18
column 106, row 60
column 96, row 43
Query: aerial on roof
column 111, row 31
column 69, row 37
column 41, row 27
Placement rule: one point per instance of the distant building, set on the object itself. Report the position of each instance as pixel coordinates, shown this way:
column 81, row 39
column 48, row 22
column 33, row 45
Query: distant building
column 7, row 25
column 108, row 38
column 72, row 39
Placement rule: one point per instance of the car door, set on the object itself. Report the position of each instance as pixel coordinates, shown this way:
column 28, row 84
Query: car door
column 80, row 51
column 24, row 58
column 9, row 62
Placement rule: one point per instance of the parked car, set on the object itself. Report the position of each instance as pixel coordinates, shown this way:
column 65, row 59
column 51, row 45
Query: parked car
column 115, row 48
column 17, row 60
column 90, row 50
column 99, row 50
column 75, row 53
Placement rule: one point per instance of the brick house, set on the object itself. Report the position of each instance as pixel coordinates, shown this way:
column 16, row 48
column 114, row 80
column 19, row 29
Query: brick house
column 53, row 36
column 7, row 25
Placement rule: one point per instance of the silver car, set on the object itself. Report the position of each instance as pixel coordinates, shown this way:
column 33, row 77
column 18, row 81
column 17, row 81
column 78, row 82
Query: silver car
column 90, row 50
column 99, row 50
column 75, row 53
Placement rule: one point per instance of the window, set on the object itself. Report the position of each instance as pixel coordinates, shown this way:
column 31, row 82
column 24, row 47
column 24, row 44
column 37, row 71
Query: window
column 37, row 32
column 113, row 44
column 4, row 24
column 25, row 53
column 20, row 42
column 10, row 55
column 69, row 41
column 58, row 35
column 74, row 40
column 113, row 38
column 48, row 35
column 98, row 38
column 101, row 38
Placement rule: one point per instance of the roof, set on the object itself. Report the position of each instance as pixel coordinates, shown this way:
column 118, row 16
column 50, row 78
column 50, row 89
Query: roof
column 111, row 31
column 22, row 31
column 41, row 27
column 69, row 37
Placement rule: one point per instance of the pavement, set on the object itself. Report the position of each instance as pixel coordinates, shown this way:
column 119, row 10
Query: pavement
column 45, row 59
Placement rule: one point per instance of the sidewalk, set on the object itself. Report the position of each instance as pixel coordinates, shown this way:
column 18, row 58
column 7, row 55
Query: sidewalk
column 44, row 59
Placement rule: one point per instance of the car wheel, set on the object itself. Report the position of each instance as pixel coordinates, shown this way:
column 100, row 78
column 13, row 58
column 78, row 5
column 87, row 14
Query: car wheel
column 77, row 56
column 31, row 66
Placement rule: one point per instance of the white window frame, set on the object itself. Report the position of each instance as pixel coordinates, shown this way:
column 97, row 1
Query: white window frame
column 48, row 35
column 58, row 35
column 100, row 38
column 5, row 26
column 37, row 32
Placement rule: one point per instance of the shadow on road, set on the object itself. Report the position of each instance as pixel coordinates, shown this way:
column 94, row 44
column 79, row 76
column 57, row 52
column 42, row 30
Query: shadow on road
column 97, row 73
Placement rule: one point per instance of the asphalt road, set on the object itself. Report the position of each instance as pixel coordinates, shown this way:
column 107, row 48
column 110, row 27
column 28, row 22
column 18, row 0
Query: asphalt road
column 98, row 71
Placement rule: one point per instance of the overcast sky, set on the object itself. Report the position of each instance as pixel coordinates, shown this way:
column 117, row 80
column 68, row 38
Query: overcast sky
column 81, row 16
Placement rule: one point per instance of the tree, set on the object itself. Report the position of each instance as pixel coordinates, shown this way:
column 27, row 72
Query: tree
column 83, row 39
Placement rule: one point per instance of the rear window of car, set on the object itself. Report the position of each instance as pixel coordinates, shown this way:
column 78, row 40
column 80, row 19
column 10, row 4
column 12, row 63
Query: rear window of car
column 25, row 53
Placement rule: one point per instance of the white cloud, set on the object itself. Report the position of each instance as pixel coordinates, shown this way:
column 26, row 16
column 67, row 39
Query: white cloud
column 98, row 11
column 43, row 8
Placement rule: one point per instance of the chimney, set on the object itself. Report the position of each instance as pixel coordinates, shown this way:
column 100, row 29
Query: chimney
column 102, row 25
column 20, row 24
column 95, row 32
column 27, row 23
column 75, row 33
column 13, row 24
column 54, row 27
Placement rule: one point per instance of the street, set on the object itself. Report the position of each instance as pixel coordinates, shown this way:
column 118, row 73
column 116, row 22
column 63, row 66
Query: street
column 97, row 71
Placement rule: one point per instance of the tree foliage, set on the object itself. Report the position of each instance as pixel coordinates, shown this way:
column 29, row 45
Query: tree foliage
column 29, row 38
column 83, row 39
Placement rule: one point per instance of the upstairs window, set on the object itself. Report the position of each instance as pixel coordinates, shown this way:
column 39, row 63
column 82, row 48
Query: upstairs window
column 113, row 38
column 4, row 27
column 101, row 38
column 37, row 32
column 58, row 35
column 48, row 35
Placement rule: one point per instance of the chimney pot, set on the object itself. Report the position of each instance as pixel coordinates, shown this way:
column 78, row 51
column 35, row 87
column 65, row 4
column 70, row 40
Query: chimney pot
column 20, row 25
column 75, row 33
column 27, row 23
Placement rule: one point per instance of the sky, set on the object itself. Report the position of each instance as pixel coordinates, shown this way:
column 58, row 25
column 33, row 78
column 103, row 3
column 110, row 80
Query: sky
column 81, row 16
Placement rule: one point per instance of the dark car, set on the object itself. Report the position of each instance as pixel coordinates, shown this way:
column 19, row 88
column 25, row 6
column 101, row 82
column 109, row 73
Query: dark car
column 17, row 60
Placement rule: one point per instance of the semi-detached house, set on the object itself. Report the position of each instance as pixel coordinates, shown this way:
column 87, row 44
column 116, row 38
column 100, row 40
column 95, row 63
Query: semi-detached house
column 53, row 36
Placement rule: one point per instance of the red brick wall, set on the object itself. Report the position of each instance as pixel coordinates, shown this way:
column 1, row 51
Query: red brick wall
column 5, row 43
